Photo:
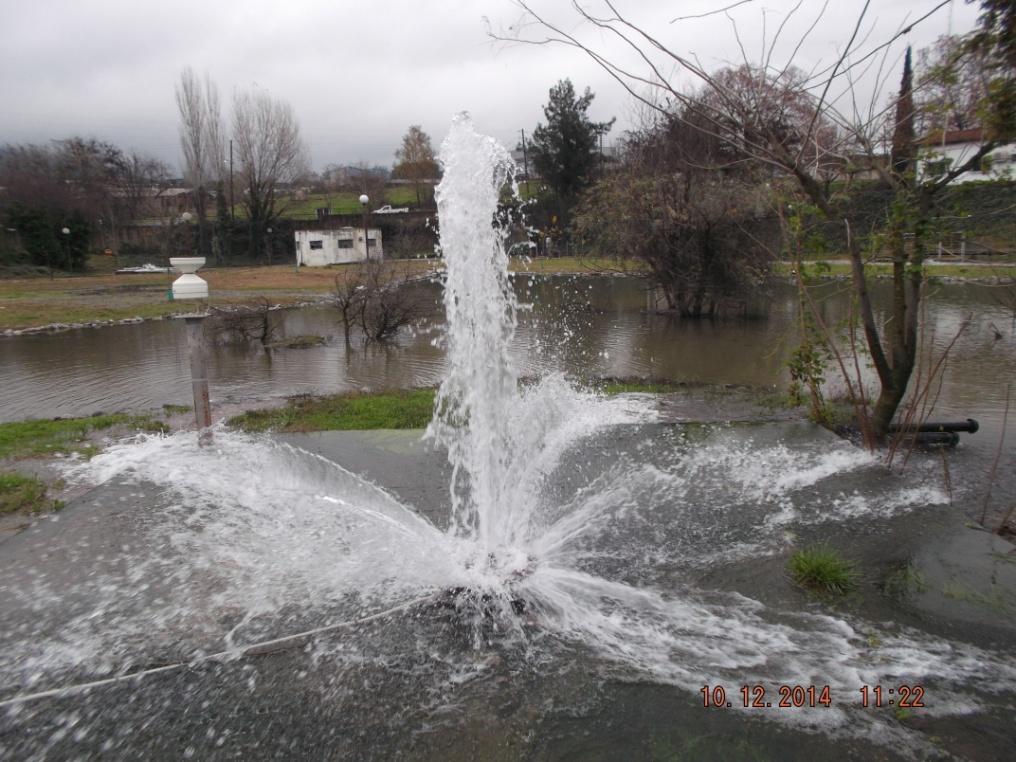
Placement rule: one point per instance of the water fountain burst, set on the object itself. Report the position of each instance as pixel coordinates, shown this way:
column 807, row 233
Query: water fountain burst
column 597, row 546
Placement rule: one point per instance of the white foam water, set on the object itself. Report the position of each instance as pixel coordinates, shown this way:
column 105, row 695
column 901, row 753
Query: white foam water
column 251, row 534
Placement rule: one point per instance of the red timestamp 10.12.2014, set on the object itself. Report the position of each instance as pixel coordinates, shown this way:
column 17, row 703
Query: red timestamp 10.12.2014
column 757, row 697
column 798, row 696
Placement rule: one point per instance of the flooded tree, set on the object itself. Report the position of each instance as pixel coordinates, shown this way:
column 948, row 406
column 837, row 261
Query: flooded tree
column 377, row 297
column 705, row 232
column 246, row 323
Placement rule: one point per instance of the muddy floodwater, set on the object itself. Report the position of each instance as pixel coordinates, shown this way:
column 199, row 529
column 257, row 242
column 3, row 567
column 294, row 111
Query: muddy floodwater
column 585, row 326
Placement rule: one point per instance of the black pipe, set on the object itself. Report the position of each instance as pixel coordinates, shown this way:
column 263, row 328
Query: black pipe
column 969, row 426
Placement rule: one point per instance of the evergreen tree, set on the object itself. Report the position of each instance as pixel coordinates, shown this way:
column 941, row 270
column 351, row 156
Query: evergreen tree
column 564, row 151
column 902, row 153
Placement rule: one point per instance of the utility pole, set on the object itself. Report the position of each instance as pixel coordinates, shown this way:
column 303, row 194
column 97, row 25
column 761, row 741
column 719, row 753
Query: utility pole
column 231, row 202
column 525, row 160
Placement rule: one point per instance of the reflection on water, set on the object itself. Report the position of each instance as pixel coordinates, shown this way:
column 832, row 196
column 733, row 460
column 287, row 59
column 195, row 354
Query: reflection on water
column 586, row 326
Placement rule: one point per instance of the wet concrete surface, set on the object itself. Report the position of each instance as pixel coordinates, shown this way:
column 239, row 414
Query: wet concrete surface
column 414, row 684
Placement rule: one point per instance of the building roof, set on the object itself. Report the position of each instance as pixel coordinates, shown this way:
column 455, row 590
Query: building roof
column 952, row 137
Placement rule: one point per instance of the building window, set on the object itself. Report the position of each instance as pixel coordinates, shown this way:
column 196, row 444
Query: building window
column 317, row 244
column 371, row 242
column 345, row 243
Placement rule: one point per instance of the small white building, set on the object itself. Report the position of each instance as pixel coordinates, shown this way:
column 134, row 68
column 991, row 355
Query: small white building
column 943, row 152
column 319, row 248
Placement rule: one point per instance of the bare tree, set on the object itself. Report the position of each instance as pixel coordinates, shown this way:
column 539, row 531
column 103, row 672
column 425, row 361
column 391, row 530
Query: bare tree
column 201, row 141
column 376, row 296
column 415, row 159
column 952, row 81
column 348, row 296
column 367, row 180
column 271, row 154
column 731, row 113
column 246, row 323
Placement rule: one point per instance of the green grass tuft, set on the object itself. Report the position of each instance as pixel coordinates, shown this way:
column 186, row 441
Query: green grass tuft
column 820, row 569
column 386, row 410
column 24, row 493
column 39, row 437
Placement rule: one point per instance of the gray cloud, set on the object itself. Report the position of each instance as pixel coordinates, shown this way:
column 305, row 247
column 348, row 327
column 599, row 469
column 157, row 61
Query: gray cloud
column 357, row 73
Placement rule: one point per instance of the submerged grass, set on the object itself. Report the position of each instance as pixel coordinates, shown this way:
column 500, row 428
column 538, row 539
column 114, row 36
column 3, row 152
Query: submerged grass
column 19, row 493
column 39, row 437
column 410, row 409
column 821, row 569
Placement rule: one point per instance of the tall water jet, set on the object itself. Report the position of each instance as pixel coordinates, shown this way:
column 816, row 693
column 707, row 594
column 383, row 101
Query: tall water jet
column 473, row 405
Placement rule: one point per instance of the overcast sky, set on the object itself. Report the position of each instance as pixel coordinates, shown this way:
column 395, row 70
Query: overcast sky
column 359, row 73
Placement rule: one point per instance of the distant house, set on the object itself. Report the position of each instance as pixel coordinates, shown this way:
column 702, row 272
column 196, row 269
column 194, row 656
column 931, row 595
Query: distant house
column 943, row 151
column 319, row 248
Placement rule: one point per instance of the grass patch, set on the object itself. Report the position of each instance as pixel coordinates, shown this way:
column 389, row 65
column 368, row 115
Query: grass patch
column 405, row 409
column 820, row 569
column 40, row 437
column 24, row 494
column 342, row 202
column 28, row 303
column 176, row 409
column 410, row 409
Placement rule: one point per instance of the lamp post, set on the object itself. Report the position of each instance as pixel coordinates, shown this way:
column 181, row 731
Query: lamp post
column 268, row 244
column 191, row 286
column 364, row 200
column 185, row 218
column 67, row 250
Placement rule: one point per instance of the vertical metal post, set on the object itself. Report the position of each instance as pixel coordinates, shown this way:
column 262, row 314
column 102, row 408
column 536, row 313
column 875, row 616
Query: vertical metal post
column 366, row 239
column 199, row 377
column 231, row 201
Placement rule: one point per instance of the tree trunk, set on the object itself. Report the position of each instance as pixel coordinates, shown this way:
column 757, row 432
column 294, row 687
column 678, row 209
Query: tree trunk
column 889, row 399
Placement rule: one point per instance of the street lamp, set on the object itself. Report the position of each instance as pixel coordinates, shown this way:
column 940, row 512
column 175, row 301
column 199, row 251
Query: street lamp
column 67, row 250
column 268, row 244
column 364, row 200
